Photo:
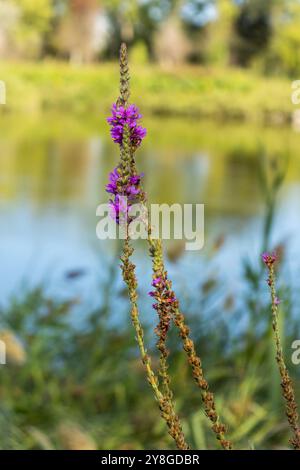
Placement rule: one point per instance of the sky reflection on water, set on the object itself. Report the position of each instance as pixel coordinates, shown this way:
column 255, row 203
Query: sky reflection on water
column 52, row 185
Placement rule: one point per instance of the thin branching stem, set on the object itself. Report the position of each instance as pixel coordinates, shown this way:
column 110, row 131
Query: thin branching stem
column 208, row 400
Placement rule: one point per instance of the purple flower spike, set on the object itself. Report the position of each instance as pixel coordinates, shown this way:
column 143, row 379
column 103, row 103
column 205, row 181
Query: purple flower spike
column 277, row 301
column 156, row 281
column 130, row 116
column 133, row 191
column 269, row 259
column 129, row 191
column 111, row 187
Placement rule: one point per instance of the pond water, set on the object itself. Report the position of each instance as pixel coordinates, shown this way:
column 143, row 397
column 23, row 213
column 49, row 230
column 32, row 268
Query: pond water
column 53, row 170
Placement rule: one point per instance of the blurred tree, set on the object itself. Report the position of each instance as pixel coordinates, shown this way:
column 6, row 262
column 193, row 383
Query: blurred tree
column 220, row 33
column 263, row 34
column 138, row 53
column 197, row 13
column 253, row 28
column 153, row 13
column 122, row 16
column 23, row 24
column 9, row 14
column 82, row 30
column 171, row 44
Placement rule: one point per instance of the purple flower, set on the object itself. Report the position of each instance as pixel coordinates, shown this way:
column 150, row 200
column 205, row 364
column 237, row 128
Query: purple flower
column 118, row 207
column 277, row 301
column 124, row 193
column 132, row 190
column 130, row 116
column 111, row 187
column 156, row 281
column 135, row 179
column 128, row 187
column 269, row 259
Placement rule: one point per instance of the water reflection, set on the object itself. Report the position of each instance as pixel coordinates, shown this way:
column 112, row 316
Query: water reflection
column 52, row 175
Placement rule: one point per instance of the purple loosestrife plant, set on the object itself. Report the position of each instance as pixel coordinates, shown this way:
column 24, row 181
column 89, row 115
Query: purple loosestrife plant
column 164, row 303
column 125, row 187
column 288, row 393
column 126, row 131
column 129, row 116
column 125, row 182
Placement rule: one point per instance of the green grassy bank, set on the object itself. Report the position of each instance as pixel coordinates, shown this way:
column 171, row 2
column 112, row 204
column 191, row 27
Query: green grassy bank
column 187, row 91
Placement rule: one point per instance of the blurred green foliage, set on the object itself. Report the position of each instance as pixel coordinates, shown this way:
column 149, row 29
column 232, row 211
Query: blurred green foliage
column 70, row 387
column 82, row 386
column 187, row 92
column 77, row 388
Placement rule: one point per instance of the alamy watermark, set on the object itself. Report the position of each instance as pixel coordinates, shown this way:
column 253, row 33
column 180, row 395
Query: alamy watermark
column 296, row 353
column 176, row 221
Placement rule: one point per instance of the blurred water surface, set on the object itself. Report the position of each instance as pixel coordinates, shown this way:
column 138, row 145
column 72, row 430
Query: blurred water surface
column 52, row 176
